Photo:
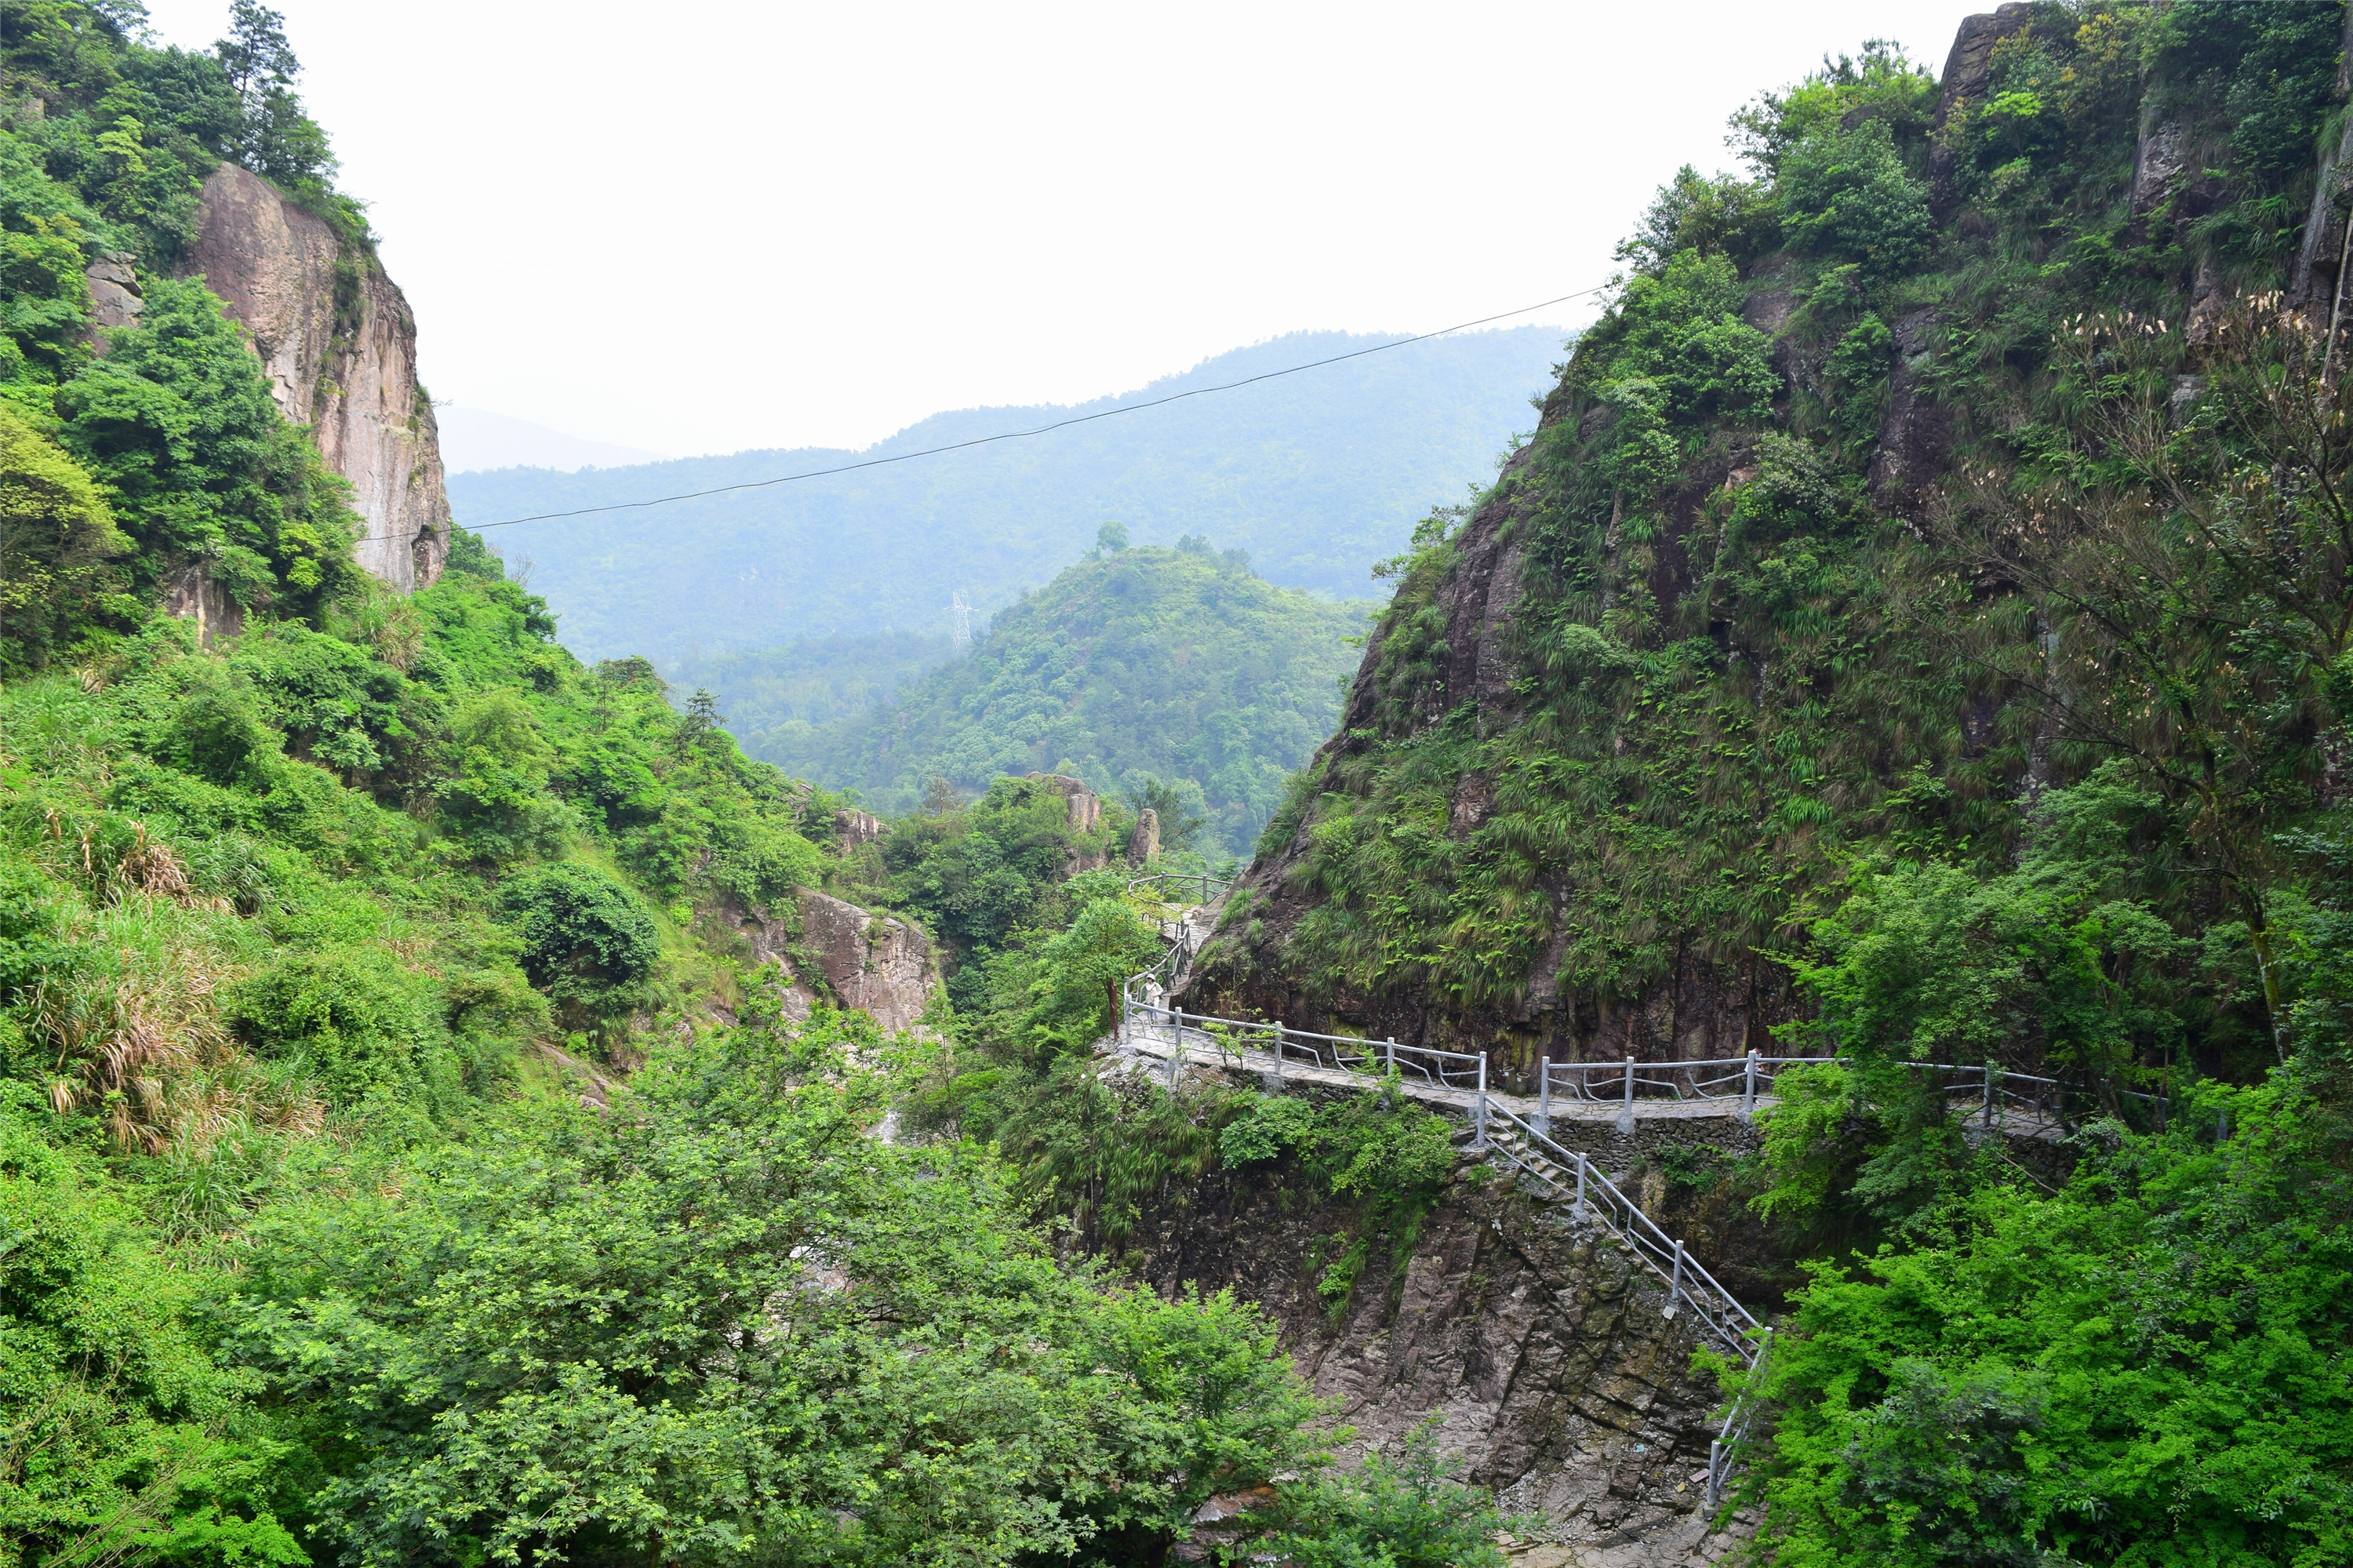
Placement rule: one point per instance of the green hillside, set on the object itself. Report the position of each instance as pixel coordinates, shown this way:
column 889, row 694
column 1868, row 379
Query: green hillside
column 404, row 1157
column 1137, row 669
column 1316, row 475
column 790, row 690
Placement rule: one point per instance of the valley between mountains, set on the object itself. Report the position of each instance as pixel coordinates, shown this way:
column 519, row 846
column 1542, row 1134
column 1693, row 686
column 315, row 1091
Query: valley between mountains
column 510, row 1062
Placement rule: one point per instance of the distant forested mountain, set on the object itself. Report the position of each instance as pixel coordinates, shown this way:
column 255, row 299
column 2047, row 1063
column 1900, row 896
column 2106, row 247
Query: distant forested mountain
column 1177, row 678
column 1316, row 475
column 775, row 697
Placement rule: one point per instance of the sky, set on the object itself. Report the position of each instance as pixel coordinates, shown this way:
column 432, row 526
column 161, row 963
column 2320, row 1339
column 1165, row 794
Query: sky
column 705, row 228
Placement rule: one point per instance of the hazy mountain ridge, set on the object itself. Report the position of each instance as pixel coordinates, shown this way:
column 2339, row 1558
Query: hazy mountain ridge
column 1316, row 475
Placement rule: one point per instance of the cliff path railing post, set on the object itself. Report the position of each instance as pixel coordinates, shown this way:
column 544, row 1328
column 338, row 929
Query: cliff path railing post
column 1478, row 1136
column 1579, row 1209
column 1748, row 1090
column 1278, row 1050
column 1392, row 1046
column 1543, row 1095
column 1176, row 1046
column 1986, row 1072
column 1626, row 1115
column 1675, row 1287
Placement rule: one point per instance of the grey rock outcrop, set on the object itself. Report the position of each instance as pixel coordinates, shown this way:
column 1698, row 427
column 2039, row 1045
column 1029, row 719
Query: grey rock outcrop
column 1086, row 816
column 1086, row 809
column 856, row 827
column 1143, row 844
column 193, row 595
column 114, row 296
column 339, row 343
column 1916, row 436
column 876, row 964
column 1966, row 68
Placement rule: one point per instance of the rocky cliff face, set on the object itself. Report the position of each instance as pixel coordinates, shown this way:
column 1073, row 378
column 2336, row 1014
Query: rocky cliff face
column 1540, row 1346
column 876, row 964
column 340, row 344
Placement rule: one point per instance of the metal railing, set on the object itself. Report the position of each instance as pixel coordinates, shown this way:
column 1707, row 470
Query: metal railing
column 1183, row 882
column 1718, row 1312
column 1994, row 1091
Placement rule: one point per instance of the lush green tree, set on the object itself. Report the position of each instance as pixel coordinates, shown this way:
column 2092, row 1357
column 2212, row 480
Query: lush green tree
column 581, row 929
column 57, row 538
column 2146, row 1368
column 719, row 1319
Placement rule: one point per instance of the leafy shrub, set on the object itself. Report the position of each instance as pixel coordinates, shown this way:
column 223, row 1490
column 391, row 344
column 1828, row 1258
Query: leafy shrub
column 140, row 1445
column 215, row 729
column 1412, row 1512
column 598, row 1304
column 1377, row 1144
column 1846, row 194
column 350, row 1021
column 582, row 930
column 2143, row 1368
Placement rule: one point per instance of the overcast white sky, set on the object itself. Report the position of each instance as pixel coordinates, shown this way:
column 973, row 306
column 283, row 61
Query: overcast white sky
column 707, row 227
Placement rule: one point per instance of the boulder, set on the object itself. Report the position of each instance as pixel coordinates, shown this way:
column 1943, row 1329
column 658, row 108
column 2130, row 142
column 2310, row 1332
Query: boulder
column 114, row 297
column 1086, row 816
column 1143, row 844
column 879, row 965
column 1086, row 807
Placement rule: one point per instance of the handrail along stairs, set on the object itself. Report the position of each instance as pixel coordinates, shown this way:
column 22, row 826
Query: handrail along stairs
column 1528, row 1148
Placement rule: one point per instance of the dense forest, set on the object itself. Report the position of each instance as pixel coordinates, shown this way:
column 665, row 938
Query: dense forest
column 1918, row 629
column 778, row 698
column 1316, row 475
column 1177, row 678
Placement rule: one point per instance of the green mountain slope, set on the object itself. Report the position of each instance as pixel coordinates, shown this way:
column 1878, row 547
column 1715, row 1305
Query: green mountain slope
column 1316, row 475
column 375, row 994
column 1134, row 667
column 791, row 690
column 1922, row 630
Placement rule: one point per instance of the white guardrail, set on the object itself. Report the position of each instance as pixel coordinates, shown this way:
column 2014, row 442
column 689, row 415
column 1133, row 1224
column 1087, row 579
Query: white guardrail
column 1528, row 1146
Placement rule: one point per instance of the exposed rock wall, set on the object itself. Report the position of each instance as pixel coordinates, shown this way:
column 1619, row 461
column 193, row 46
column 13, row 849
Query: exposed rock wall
column 876, row 964
column 1540, row 1345
column 339, row 343
column 1086, row 816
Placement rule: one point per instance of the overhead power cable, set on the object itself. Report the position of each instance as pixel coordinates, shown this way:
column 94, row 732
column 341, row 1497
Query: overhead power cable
column 1008, row 435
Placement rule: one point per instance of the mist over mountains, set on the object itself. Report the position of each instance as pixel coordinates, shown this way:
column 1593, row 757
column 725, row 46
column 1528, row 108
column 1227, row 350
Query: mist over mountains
column 1316, row 475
